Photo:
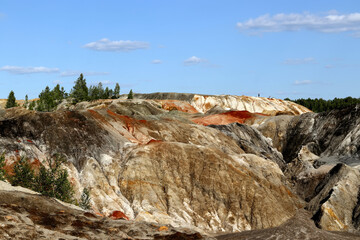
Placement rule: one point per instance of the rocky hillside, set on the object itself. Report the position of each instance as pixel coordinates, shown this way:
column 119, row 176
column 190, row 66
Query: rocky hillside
column 204, row 103
column 213, row 168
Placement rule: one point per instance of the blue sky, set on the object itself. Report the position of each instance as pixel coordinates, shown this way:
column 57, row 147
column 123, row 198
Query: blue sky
column 277, row 48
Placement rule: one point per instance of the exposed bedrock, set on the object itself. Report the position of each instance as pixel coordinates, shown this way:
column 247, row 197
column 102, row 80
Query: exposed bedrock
column 157, row 165
column 322, row 155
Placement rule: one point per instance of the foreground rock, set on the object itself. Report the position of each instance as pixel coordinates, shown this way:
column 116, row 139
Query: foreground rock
column 25, row 215
column 298, row 228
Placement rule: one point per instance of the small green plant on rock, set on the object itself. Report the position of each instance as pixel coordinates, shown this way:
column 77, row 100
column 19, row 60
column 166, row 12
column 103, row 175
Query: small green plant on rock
column 85, row 199
column 2, row 165
column 53, row 181
column 23, row 175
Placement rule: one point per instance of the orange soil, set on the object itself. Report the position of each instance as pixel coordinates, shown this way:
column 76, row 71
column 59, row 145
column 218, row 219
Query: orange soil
column 226, row 118
column 177, row 105
column 118, row 215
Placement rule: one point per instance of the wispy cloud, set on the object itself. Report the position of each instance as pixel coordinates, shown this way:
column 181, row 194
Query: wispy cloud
column 77, row 73
column 328, row 23
column 299, row 61
column 330, row 66
column 104, row 82
column 156, row 61
column 28, row 70
column 193, row 61
column 303, row 82
column 116, row 46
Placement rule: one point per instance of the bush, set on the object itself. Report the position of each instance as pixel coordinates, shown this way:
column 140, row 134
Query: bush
column 85, row 199
column 53, row 182
column 2, row 165
column 23, row 175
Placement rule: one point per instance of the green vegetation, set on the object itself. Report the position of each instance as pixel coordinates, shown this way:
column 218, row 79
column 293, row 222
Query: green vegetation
column 321, row 105
column 2, row 165
column 85, row 199
column 52, row 181
column 50, row 99
column 23, row 175
column 11, row 101
column 130, row 95
column 80, row 91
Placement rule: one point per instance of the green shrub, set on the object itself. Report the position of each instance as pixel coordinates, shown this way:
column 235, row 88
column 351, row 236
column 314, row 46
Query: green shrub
column 23, row 175
column 85, row 199
column 2, row 165
column 53, row 181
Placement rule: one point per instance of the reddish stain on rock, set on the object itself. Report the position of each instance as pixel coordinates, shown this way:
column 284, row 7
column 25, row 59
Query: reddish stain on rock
column 118, row 215
column 226, row 118
column 177, row 105
column 153, row 141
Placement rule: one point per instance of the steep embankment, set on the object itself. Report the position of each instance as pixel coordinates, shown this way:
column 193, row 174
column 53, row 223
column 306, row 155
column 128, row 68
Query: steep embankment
column 204, row 103
column 316, row 148
column 157, row 165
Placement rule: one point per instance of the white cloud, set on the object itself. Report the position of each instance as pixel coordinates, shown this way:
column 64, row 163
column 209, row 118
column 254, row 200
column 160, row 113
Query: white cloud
column 156, row 61
column 303, row 82
column 193, row 61
column 77, row 73
column 299, row 61
column 116, row 46
column 28, row 70
column 330, row 23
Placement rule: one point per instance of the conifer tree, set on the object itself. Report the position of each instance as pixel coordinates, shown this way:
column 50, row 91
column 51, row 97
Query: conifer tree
column 116, row 91
column 23, row 175
column 11, row 101
column 80, row 91
column 130, row 95
column 26, row 103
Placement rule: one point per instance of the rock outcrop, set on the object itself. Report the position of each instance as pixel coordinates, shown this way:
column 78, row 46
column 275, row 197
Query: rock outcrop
column 156, row 165
column 204, row 103
column 322, row 155
column 297, row 228
column 27, row 215
column 208, row 163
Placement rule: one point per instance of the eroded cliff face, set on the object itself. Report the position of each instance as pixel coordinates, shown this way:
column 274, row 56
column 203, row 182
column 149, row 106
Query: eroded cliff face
column 157, row 165
column 214, row 164
column 204, row 103
column 322, row 155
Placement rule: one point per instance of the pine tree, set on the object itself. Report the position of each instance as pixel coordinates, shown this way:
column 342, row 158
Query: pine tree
column 53, row 181
column 116, row 91
column 26, row 103
column 130, row 95
column 23, row 175
column 11, row 101
column 85, row 199
column 80, row 91
column 106, row 93
column 47, row 101
column 58, row 94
